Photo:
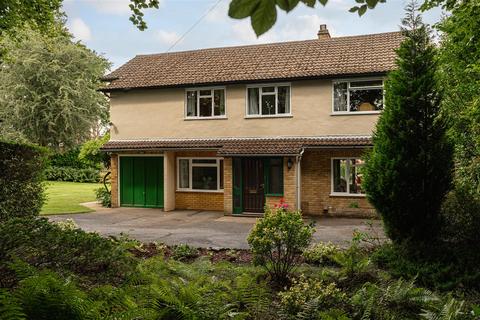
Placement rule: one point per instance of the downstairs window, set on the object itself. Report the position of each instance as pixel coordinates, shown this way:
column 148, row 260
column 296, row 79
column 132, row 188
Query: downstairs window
column 347, row 176
column 200, row 174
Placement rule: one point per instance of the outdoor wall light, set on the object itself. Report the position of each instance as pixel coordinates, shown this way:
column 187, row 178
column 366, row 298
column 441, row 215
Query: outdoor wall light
column 289, row 163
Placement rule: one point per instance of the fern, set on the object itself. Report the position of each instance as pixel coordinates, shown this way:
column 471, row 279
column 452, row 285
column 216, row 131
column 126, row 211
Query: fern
column 10, row 308
column 451, row 310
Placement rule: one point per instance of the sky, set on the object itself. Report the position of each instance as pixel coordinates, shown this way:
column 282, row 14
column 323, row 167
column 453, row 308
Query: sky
column 103, row 25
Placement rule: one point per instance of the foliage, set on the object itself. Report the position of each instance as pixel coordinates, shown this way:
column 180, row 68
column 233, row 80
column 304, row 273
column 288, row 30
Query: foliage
column 91, row 154
column 321, row 254
column 301, row 293
column 104, row 196
column 443, row 267
column 72, row 174
column 137, row 7
column 184, row 252
column 40, row 14
column 46, row 245
column 408, row 172
column 354, row 261
column 68, row 158
column 277, row 241
column 398, row 300
column 460, row 80
column 10, row 308
column 21, row 186
column 49, row 89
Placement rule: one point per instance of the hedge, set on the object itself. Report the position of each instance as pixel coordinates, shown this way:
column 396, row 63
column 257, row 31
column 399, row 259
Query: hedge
column 72, row 174
column 21, row 179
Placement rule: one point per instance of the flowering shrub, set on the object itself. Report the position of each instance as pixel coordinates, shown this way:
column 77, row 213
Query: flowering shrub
column 303, row 291
column 321, row 254
column 277, row 241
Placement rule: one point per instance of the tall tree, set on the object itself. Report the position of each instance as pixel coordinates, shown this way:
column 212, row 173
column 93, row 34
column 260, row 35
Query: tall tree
column 39, row 14
column 409, row 169
column 49, row 88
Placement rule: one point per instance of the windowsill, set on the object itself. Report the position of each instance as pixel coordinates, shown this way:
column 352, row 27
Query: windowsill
column 274, row 194
column 206, row 118
column 354, row 113
column 355, row 195
column 270, row 116
column 202, row 191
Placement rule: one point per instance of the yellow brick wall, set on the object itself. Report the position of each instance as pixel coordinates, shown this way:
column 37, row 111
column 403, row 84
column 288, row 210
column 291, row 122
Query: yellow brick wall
column 316, row 185
column 114, row 179
column 289, row 186
column 198, row 200
column 227, row 186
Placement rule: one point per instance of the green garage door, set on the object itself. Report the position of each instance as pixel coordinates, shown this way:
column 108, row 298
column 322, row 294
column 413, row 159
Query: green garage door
column 141, row 182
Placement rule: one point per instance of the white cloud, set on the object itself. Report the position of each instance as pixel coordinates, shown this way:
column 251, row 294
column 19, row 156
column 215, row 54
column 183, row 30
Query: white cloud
column 79, row 29
column 242, row 33
column 166, row 37
column 114, row 7
column 219, row 13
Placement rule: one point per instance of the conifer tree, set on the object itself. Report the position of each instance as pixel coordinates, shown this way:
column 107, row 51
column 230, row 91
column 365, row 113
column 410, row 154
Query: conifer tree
column 408, row 172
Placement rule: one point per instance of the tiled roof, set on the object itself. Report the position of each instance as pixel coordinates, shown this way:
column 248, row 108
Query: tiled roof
column 240, row 146
column 352, row 55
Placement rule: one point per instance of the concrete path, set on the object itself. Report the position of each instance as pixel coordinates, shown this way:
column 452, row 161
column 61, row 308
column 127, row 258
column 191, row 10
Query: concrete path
column 199, row 228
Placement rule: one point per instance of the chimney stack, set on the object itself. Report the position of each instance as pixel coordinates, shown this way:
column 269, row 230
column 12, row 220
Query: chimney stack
column 323, row 33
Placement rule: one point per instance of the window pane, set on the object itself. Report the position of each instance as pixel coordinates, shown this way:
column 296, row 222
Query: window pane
column 370, row 83
column 204, row 178
column 356, row 176
column 275, row 178
column 283, row 99
column 191, row 103
column 221, row 174
column 213, row 161
column 184, row 172
column 268, row 104
column 205, row 92
column 339, row 175
column 219, row 102
column 268, row 89
column 340, row 96
column 205, row 107
column 366, row 100
column 253, row 101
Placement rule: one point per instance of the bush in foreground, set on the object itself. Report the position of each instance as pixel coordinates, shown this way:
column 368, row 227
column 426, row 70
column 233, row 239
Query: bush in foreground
column 21, row 180
column 278, row 240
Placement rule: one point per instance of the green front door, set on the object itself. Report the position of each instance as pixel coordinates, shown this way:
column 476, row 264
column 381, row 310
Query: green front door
column 141, row 182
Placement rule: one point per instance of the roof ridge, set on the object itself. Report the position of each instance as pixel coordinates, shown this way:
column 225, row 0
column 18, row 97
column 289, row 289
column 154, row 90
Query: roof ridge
column 268, row 44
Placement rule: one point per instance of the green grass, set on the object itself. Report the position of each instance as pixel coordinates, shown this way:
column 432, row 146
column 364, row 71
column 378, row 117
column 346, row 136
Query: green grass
column 65, row 197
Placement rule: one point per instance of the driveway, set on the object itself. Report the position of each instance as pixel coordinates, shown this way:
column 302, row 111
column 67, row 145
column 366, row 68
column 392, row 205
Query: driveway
column 199, row 228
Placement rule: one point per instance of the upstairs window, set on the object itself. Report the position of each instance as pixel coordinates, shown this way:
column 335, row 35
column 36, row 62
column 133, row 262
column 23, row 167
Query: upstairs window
column 358, row 96
column 268, row 100
column 205, row 103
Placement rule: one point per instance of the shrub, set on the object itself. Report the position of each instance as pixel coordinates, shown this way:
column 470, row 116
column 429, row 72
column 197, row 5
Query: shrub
column 72, row 174
column 47, row 245
column 303, row 292
column 408, row 172
column 354, row 261
column 69, row 158
column 21, row 180
column 321, row 254
column 104, row 196
column 461, row 217
column 91, row 154
column 184, row 252
column 277, row 241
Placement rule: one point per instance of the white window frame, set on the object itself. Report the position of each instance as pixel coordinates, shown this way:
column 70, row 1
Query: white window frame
column 260, row 93
column 190, row 175
column 212, row 95
column 347, row 173
column 348, row 81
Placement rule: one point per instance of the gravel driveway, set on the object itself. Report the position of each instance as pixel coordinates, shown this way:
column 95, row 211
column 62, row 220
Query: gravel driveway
column 199, row 228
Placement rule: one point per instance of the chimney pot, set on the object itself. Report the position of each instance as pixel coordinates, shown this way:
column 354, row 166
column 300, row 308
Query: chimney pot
column 323, row 33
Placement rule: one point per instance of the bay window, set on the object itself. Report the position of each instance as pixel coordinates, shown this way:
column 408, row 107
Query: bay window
column 358, row 96
column 205, row 103
column 200, row 174
column 268, row 100
column 347, row 176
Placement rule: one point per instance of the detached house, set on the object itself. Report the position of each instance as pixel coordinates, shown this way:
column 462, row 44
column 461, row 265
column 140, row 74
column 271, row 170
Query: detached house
column 238, row 128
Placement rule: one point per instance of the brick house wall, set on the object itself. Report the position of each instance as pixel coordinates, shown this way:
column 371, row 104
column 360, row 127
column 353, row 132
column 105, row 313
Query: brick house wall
column 316, row 185
column 114, row 180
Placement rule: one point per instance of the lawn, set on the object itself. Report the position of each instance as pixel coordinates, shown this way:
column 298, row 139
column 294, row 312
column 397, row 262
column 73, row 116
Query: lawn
column 65, row 197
